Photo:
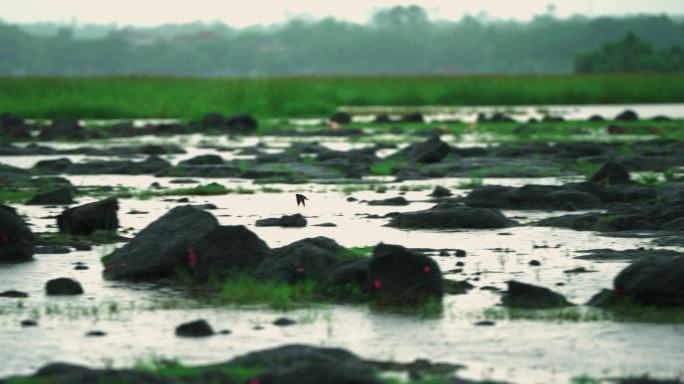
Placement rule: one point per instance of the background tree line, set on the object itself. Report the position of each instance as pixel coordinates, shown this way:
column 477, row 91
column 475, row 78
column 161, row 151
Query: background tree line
column 399, row 40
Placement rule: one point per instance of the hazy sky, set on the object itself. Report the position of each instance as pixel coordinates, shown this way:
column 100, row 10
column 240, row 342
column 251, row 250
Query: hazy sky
column 249, row 12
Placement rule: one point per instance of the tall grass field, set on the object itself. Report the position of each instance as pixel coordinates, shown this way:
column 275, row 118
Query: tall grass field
column 159, row 97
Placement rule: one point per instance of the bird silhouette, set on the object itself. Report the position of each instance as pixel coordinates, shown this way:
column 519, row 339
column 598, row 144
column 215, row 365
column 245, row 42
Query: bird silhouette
column 300, row 199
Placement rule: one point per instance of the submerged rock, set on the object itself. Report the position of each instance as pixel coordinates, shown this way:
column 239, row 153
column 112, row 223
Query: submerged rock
column 450, row 215
column 528, row 296
column 14, row 294
column 88, row 218
column 16, row 239
column 63, row 286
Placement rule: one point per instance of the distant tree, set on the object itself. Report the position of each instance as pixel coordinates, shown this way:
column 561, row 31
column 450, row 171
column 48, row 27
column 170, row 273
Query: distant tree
column 630, row 54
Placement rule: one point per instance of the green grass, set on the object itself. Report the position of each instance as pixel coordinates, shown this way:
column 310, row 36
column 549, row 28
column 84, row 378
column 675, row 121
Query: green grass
column 385, row 167
column 243, row 289
column 356, row 252
column 129, row 97
column 473, row 182
column 211, row 189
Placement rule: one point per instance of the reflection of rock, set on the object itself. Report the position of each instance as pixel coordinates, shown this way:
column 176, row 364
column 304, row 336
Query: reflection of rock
column 521, row 295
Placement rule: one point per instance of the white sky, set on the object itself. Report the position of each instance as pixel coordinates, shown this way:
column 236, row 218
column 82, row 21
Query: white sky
column 242, row 13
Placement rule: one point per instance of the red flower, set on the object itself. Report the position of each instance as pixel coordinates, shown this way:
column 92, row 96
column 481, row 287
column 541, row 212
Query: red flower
column 426, row 269
column 108, row 267
column 377, row 284
column 192, row 257
column 617, row 291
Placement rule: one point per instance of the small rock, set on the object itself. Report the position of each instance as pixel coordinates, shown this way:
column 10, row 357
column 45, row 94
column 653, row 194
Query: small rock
column 81, row 267
column 284, row 321
column 440, row 191
column 29, row 323
column 14, row 294
column 63, row 286
column 486, row 323
column 51, row 249
column 197, row 328
column 534, row 263
column 95, row 334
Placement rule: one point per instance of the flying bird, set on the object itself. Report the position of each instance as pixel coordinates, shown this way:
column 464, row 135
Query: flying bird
column 300, row 199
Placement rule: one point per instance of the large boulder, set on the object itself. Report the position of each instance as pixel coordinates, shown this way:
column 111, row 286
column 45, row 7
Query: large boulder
column 197, row 328
column 62, row 196
column 186, row 239
column 398, row 275
column 16, row 239
column 528, row 296
column 653, row 281
column 303, row 259
column 449, row 215
column 242, row 123
column 88, row 218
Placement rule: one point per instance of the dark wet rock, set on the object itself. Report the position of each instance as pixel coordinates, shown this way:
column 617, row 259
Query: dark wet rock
column 350, row 272
column 208, row 171
column 432, row 150
column 531, row 197
column 63, row 286
column 150, row 165
column 301, row 364
column 190, row 239
column 203, row 160
column 51, row 249
column 415, row 117
column 29, row 323
column 611, row 173
column 528, row 296
column 325, row 225
column 392, row 201
column 578, row 270
column 382, row 119
column 14, row 294
column 63, row 129
column 296, row 220
column 496, row 117
column 81, row 268
column 625, row 255
column 52, row 166
column 627, row 115
column 306, row 258
column 284, row 321
column 62, row 196
column 284, row 157
column 16, row 239
column 653, row 281
column 206, row 207
column 448, row 215
column 340, row 118
column 552, row 119
column 440, row 191
column 485, row 323
column 397, row 274
column 183, row 181
column 596, row 118
column 197, row 328
column 85, row 219
column 95, row 334
column 453, row 287
column 534, row 263
column 14, row 127
column 213, row 120
column 242, row 123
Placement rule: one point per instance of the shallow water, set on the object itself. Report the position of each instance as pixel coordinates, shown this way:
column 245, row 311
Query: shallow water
column 140, row 320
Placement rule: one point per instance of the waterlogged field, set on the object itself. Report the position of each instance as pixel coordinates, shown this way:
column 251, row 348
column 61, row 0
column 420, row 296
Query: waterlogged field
column 152, row 97
column 346, row 173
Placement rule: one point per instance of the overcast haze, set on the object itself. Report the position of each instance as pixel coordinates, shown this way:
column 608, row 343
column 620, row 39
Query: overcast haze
column 246, row 13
